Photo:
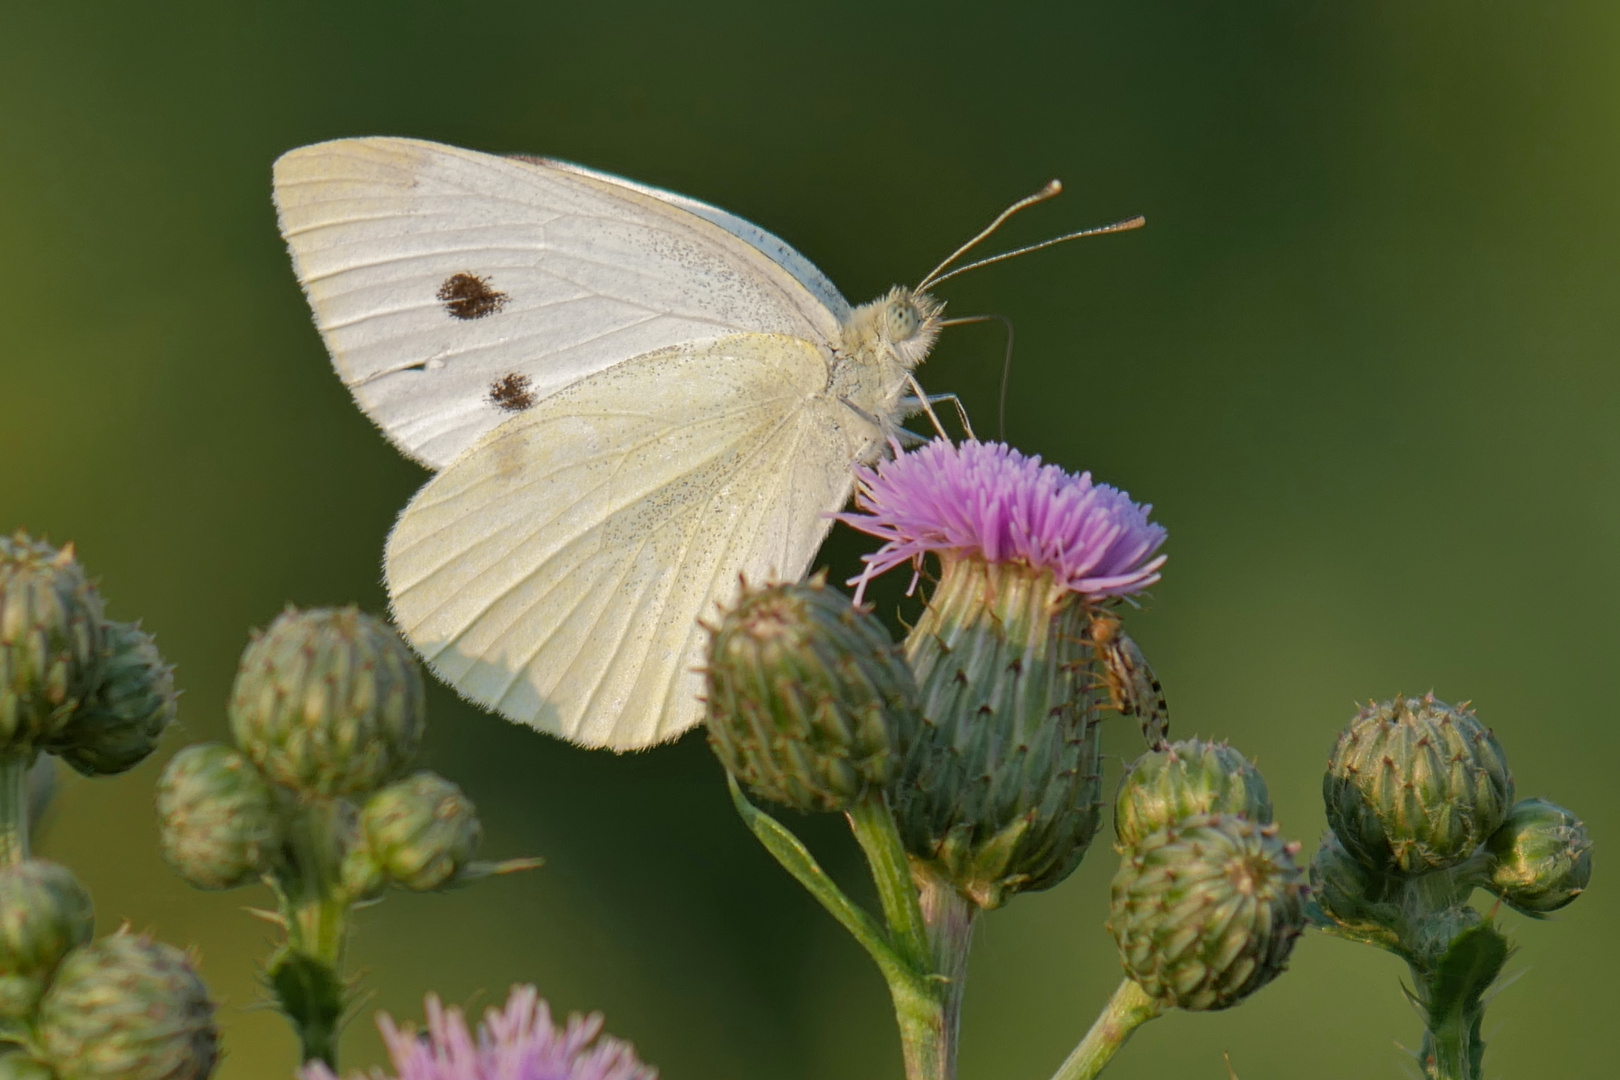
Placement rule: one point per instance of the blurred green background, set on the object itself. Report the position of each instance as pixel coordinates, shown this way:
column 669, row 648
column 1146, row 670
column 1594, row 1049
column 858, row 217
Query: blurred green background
column 1361, row 361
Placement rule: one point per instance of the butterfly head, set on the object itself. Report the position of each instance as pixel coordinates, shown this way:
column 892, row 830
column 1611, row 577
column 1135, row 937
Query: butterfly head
column 908, row 322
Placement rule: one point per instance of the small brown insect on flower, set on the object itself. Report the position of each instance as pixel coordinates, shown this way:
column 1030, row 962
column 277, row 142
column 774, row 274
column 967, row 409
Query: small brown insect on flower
column 1133, row 689
column 468, row 296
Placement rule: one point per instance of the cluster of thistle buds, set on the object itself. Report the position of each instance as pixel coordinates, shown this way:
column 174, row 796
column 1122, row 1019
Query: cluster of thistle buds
column 96, row 693
column 314, row 799
column 1420, row 801
column 1208, row 900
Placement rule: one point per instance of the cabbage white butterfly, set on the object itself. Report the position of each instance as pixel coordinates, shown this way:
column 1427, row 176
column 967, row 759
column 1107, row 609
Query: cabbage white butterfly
column 632, row 400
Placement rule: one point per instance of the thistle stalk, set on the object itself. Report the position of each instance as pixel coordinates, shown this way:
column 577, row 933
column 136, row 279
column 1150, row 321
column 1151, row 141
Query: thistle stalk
column 13, row 808
column 1127, row 1010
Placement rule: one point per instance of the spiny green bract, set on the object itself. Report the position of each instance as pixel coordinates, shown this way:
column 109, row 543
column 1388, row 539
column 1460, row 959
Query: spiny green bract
column 1000, row 791
column 809, row 700
column 128, row 1008
column 1415, row 785
column 121, row 722
column 420, row 831
column 1183, row 780
column 52, row 641
column 44, row 912
column 328, row 702
column 1541, row 857
column 1207, row 911
column 217, row 817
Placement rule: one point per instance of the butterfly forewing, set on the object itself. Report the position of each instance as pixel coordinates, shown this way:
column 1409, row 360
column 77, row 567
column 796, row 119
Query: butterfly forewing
column 438, row 275
column 557, row 571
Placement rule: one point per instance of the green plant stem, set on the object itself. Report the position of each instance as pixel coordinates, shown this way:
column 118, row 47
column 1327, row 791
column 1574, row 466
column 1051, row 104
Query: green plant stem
column 1126, row 1011
column 308, row 977
column 948, row 915
column 873, row 825
column 13, row 809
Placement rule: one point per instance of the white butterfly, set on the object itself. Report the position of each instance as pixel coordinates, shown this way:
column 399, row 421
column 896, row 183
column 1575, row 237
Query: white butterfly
column 633, row 400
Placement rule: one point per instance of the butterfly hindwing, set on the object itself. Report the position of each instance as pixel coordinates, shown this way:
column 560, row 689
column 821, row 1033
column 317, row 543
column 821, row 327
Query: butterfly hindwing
column 556, row 572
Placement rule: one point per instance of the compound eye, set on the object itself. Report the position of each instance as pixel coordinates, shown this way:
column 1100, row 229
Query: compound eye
column 903, row 320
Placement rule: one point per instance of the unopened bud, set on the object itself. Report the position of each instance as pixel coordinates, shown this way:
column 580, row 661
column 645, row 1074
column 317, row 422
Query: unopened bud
column 1207, row 911
column 44, row 912
column 217, row 815
column 421, row 831
column 119, row 726
column 1183, row 780
column 1541, row 857
column 1416, row 785
column 52, row 641
column 809, row 700
column 328, row 702
column 128, row 1008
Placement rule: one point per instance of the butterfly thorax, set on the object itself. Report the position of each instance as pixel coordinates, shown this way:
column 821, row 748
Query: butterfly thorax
column 882, row 342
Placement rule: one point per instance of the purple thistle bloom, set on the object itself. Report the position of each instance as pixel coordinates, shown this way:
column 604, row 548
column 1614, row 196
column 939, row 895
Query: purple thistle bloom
column 517, row 1043
column 989, row 501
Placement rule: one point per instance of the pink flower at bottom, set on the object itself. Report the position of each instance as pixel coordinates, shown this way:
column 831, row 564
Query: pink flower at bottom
column 514, row 1043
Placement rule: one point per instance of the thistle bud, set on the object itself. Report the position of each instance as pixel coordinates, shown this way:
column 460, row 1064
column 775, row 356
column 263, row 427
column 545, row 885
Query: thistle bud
column 217, row 816
column 52, row 640
column 1541, row 857
column 809, row 700
column 421, row 831
column 1350, row 894
column 119, row 725
column 1207, row 911
column 1187, row 779
column 328, row 702
column 44, row 912
column 1000, row 793
column 1416, row 785
column 128, row 1008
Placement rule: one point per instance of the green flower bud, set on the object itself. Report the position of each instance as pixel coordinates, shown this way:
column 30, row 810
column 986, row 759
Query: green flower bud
column 217, row 817
column 128, row 1008
column 17, row 1065
column 1350, row 894
column 808, row 698
column 421, row 831
column 1541, row 857
column 44, row 912
column 1416, row 785
column 999, row 792
column 328, row 702
column 52, row 641
column 119, row 726
column 1207, row 911
column 1183, row 780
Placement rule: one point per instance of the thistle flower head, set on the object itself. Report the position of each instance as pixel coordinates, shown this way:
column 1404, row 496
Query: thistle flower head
column 514, row 1043
column 989, row 501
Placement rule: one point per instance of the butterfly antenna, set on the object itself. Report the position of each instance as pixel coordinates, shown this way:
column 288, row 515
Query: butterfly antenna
column 1101, row 230
column 1006, row 363
column 1051, row 188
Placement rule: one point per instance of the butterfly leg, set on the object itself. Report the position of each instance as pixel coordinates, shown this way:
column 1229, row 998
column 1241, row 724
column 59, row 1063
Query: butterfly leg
column 912, row 404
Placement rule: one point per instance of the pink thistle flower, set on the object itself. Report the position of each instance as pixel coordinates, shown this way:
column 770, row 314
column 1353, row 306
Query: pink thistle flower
column 516, row 1043
column 987, row 500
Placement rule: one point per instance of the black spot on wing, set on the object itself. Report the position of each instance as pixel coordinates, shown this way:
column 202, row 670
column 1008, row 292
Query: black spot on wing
column 468, row 296
column 511, row 392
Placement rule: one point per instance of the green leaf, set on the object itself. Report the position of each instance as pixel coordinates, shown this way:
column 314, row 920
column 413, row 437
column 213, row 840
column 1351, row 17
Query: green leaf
column 312, row 995
column 796, row 859
column 1465, row 972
